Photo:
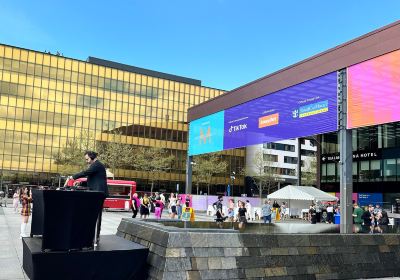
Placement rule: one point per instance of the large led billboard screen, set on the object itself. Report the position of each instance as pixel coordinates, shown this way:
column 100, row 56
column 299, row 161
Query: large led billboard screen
column 302, row 110
column 373, row 91
column 305, row 109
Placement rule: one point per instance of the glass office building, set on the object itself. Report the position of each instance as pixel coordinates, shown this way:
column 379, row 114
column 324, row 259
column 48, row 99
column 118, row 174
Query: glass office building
column 47, row 99
column 376, row 160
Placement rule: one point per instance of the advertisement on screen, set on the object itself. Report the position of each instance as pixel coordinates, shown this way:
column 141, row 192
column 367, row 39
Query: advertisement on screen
column 365, row 199
column 373, row 91
column 302, row 110
column 206, row 134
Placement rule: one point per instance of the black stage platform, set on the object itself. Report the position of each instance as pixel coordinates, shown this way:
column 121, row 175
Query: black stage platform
column 114, row 258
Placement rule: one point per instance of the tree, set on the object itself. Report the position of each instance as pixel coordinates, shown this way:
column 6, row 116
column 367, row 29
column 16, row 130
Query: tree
column 206, row 166
column 152, row 160
column 70, row 157
column 309, row 173
column 262, row 172
column 114, row 153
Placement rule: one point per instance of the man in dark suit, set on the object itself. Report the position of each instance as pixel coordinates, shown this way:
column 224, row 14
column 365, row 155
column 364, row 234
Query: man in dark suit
column 96, row 173
column 96, row 181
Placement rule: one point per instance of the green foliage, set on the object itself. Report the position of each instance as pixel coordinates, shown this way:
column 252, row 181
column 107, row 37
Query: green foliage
column 152, row 159
column 206, row 166
column 112, row 153
column 115, row 154
column 309, row 173
column 70, row 157
column 262, row 172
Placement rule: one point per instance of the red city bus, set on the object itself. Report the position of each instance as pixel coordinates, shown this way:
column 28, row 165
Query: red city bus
column 120, row 193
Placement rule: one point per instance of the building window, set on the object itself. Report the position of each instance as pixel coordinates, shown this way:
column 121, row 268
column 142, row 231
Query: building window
column 389, row 169
column 364, row 171
column 323, row 173
column 280, row 147
column 330, row 143
column 376, row 174
column 330, row 172
column 370, row 171
column 355, row 171
column 308, row 153
column 292, row 160
column 272, row 158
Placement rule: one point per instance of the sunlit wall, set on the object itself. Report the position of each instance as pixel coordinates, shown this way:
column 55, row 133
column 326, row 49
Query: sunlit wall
column 46, row 99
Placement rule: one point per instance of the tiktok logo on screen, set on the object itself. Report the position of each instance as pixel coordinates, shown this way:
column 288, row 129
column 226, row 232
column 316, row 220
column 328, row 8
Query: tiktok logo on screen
column 239, row 127
column 295, row 113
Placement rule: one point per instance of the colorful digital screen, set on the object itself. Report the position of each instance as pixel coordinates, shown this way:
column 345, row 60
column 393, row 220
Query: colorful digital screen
column 206, row 135
column 373, row 91
column 302, row 110
column 305, row 109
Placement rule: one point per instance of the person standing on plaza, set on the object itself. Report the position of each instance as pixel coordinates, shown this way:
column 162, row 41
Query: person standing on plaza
column 266, row 211
column 96, row 181
column 218, row 208
column 329, row 213
column 26, row 198
column 16, row 200
column 231, row 210
column 163, row 201
column 357, row 214
column 179, row 207
column 242, row 214
column 276, row 207
column 135, row 205
column 249, row 211
column 318, row 210
column 172, row 206
column 283, row 211
column 369, row 219
column 145, row 207
column 313, row 214
column 159, row 205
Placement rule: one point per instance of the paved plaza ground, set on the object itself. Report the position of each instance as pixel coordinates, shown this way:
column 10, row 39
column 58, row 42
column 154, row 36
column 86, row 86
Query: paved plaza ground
column 11, row 244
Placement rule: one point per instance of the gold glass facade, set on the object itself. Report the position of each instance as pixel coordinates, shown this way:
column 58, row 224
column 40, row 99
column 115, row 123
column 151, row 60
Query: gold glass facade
column 46, row 99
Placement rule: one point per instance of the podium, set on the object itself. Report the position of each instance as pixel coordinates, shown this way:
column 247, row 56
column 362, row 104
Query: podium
column 66, row 220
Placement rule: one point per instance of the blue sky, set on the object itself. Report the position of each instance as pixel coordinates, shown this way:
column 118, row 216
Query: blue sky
column 224, row 43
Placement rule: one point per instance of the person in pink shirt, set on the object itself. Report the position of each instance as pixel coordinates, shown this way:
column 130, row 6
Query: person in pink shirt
column 159, row 207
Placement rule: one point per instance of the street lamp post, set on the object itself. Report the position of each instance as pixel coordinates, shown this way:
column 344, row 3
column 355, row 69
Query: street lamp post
column 233, row 180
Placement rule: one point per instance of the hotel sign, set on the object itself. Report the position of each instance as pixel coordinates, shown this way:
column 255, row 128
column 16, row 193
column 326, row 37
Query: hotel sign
column 357, row 156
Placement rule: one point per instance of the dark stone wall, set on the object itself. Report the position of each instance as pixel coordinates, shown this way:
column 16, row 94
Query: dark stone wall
column 227, row 254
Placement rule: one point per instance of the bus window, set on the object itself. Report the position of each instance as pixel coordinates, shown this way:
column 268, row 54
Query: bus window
column 119, row 191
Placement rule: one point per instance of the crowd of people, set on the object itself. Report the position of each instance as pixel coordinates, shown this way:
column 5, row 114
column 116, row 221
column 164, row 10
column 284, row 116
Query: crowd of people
column 157, row 203
column 370, row 219
column 242, row 211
